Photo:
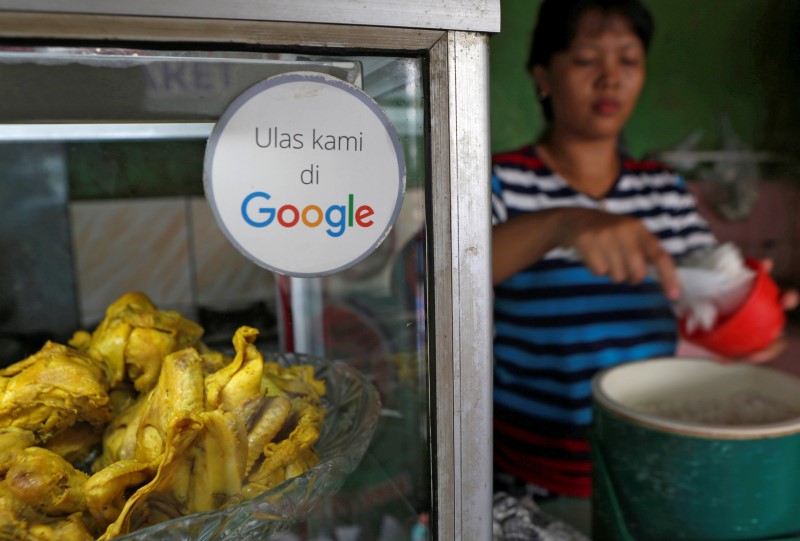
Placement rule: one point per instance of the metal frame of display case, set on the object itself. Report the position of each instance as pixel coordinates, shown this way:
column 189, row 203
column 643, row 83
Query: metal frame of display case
column 454, row 36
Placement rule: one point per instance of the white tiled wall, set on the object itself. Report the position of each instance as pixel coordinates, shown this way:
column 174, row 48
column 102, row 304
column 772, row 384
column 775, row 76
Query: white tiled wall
column 170, row 248
column 223, row 276
column 137, row 245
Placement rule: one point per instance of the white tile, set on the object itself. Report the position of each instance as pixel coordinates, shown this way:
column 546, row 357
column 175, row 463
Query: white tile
column 131, row 245
column 224, row 276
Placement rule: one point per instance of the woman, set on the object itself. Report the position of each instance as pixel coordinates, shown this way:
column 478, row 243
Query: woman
column 577, row 227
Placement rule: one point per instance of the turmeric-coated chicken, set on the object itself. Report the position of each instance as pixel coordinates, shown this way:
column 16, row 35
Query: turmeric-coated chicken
column 107, row 491
column 201, row 469
column 184, row 459
column 178, row 395
column 21, row 522
column 135, row 336
column 76, row 444
column 140, row 422
column 289, row 457
column 13, row 441
column 293, row 380
column 232, row 386
column 52, row 390
column 47, row 482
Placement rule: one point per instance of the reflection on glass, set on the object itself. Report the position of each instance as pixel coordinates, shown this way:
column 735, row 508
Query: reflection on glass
column 89, row 217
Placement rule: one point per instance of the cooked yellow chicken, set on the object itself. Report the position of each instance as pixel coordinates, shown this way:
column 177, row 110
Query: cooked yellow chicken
column 13, row 441
column 107, row 490
column 119, row 442
column 232, row 386
column 52, row 390
column 76, row 444
column 270, row 419
column 47, row 482
column 294, row 380
column 21, row 522
column 290, row 453
column 178, row 396
column 163, row 427
column 134, row 337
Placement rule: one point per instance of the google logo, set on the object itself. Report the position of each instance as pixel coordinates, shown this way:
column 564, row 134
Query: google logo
column 337, row 217
column 303, row 200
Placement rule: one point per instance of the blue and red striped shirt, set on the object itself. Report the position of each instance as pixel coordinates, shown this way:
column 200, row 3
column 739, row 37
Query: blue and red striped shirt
column 557, row 324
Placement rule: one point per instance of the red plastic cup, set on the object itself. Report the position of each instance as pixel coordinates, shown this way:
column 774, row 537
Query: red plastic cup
column 757, row 322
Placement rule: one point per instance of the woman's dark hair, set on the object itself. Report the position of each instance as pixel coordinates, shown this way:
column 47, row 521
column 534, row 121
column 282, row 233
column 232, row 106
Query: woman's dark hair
column 558, row 21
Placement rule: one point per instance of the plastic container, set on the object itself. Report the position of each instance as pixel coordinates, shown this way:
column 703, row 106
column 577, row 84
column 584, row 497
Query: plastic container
column 752, row 327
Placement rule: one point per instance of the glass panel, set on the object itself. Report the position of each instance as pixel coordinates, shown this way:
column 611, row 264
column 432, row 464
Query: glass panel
column 101, row 193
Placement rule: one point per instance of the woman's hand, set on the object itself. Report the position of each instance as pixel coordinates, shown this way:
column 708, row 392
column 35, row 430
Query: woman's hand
column 790, row 299
column 618, row 246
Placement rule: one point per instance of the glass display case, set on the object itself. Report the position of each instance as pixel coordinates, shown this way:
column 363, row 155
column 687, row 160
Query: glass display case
column 105, row 115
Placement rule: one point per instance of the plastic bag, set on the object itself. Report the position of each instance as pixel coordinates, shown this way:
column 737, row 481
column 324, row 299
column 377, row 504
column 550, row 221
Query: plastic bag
column 714, row 283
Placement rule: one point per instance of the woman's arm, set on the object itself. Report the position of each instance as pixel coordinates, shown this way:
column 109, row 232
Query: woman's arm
column 609, row 244
column 522, row 241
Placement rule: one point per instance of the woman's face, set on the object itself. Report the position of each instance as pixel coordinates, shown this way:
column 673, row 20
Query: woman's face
column 593, row 86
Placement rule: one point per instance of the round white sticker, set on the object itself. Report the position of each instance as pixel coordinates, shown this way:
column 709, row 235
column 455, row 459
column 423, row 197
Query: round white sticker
column 305, row 174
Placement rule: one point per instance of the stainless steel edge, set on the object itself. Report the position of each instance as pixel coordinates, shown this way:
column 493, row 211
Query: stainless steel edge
column 472, row 293
column 462, row 287
column 31, row 24
column 441, row 299
column 466, row 15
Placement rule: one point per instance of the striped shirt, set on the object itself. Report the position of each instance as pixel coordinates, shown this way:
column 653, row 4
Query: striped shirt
column 557, row 324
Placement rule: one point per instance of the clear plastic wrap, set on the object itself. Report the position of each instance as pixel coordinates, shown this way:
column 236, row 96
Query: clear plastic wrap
column 352, row 408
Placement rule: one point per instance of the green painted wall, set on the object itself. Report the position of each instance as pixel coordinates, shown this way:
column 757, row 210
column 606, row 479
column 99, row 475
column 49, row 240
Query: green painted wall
column 708, row 58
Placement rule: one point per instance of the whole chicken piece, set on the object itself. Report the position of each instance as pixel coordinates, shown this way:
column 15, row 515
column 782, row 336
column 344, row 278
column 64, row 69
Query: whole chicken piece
column 181, row 437
column 47, row 482
column 155, row 432
column 139, row 430
column 135, row 336
column 289, row 457
column 201, row 469
column 269, row 421
column 107, row 490
column 178, row 395
column 53, row 389
column 233, row 386
column 21, row 522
